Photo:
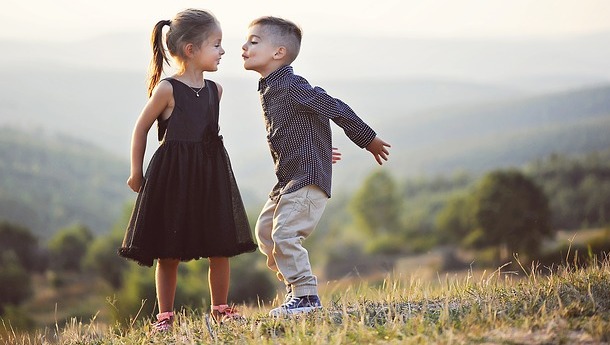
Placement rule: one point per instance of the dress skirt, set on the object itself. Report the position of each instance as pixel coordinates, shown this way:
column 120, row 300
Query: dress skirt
column 189, row 206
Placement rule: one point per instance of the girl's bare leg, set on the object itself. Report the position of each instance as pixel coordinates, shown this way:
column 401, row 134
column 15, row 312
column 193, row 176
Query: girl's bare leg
column 218, row 278
column 166, row 276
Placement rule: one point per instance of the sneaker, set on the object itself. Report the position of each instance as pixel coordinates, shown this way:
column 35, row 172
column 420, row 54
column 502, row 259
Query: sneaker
column 297, row 305
column 222, row 313
column 164, row 322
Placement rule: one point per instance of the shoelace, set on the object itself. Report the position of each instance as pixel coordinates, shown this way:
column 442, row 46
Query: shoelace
column 294, row 301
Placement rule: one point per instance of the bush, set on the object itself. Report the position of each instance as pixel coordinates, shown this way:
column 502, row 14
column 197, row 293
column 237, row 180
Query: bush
column 15, row 283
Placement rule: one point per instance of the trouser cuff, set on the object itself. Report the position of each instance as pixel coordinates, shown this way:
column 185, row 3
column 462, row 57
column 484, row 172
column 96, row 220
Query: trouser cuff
column 307, row 290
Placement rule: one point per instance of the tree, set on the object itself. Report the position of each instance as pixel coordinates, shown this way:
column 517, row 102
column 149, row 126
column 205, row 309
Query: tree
column 377, row 207
column 23, row 244
column 377, row 204
column 455, row 220
column 69, row 246
column 102, row 257
column 511, row 214
column 15, row 283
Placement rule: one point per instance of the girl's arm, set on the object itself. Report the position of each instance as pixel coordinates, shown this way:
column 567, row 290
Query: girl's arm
column 160, row 104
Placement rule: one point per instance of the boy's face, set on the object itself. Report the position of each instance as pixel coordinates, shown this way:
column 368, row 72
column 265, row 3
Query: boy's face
column 259, row 51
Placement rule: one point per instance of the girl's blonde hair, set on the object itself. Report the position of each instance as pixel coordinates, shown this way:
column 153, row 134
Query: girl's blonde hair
column 188, row 26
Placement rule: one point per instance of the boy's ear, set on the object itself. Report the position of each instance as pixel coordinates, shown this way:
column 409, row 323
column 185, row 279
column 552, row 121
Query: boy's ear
column 280, row 53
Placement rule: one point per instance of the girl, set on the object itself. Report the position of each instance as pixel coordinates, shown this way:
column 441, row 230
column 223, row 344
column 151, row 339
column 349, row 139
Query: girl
column 188, row 205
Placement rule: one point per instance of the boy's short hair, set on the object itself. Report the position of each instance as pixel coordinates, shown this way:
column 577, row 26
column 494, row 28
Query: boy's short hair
column 284, row 33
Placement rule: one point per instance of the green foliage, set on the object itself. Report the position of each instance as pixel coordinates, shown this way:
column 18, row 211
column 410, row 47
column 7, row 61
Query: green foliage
column 377, row 204
column 137, row 296
column 102, row 257
column 456, row 220
column 15, row 283
column 24, row 244
column 425, row 200
column 578, row 188
column 19, row 256
column 512, row 212
column 69, row 246
column 251, row 281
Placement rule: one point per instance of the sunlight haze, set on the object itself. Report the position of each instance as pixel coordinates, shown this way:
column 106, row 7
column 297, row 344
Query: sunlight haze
column 66, row 20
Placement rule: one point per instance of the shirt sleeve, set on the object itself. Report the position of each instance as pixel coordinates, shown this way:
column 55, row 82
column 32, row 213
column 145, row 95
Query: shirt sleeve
column 316, row 100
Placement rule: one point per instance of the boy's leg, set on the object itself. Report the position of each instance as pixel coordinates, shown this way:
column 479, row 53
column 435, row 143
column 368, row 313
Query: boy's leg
column 296, row 216
column 262, row 231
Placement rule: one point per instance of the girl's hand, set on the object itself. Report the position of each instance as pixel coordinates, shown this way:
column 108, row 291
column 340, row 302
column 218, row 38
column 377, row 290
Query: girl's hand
column 336, row 155
column 378, row 148
column 135, row 182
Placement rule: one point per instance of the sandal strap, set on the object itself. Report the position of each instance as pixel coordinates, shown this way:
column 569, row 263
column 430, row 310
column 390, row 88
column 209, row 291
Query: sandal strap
column 168, row 315
column 226, row 310
column 221, row 308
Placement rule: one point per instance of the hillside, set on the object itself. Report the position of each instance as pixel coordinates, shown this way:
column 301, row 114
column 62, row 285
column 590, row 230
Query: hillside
column 51, row 181
column 568, row 305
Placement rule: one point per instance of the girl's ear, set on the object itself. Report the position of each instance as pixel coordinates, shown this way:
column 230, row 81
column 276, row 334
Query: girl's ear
column 280, row 53
column 188, row 49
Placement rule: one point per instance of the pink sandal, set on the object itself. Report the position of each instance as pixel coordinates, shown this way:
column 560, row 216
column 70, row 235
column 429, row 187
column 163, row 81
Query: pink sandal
column 223, row 312
column 164, row 322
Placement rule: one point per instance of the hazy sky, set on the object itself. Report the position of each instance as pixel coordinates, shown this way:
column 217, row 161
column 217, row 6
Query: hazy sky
column 67, row 20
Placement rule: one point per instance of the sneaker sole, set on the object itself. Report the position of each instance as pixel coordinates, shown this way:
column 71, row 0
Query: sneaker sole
column 288, row 312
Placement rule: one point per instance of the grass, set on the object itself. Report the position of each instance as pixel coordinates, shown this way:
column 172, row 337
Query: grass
column 537, row 305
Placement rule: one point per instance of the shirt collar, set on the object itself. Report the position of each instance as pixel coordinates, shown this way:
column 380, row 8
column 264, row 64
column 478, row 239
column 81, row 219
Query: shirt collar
column 274, row 76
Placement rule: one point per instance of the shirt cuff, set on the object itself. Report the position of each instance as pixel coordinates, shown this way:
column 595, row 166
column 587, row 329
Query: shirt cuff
column 365, row 137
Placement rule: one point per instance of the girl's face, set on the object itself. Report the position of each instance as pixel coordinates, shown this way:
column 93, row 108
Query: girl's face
column 258, row 51
column 208, row 55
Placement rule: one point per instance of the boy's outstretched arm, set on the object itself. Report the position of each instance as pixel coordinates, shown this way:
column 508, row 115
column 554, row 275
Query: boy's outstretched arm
column 379, row 150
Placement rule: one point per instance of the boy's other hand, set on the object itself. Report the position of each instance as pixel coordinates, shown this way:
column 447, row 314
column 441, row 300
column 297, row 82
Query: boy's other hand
column 379, row 150
column 336, row 155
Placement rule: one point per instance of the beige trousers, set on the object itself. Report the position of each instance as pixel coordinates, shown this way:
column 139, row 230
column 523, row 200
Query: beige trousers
column 280, row 230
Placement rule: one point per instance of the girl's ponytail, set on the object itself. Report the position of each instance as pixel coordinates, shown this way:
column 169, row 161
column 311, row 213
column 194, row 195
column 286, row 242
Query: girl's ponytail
column 159, row 56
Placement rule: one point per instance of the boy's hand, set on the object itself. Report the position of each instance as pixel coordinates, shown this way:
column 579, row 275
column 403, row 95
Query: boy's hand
column 336, row 155
column 378, row 148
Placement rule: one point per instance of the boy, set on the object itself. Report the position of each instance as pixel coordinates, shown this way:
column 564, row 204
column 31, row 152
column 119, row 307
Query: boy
column 298, row 132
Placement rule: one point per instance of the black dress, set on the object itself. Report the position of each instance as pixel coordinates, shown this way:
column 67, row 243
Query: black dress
column 189, row 206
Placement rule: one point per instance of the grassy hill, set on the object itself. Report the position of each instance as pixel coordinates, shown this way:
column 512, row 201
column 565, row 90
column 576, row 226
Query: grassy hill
column 568, row 305
column 51, row 181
